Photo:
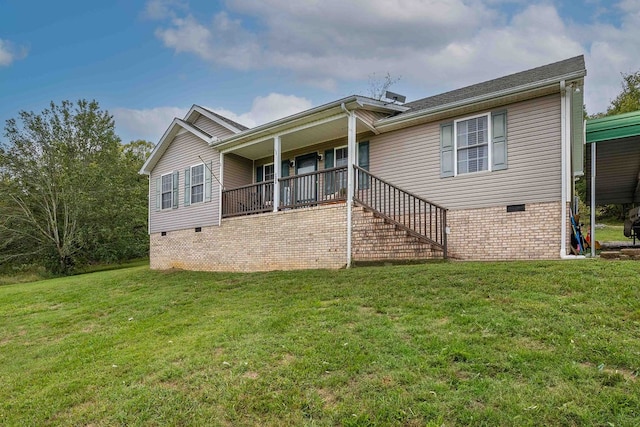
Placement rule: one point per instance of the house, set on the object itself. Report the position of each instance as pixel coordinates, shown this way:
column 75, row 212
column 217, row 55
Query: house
column 484, row 172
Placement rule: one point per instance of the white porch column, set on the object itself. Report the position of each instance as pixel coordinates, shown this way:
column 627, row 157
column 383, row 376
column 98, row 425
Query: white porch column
column 277, row 171
column 221, row 173
column 351, row 161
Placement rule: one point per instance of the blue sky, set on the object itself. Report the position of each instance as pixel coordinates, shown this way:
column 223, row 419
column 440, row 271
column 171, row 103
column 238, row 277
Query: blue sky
column 255, row 61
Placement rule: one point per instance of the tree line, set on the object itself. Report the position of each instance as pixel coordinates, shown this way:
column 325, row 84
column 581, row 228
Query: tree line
column 70, row 190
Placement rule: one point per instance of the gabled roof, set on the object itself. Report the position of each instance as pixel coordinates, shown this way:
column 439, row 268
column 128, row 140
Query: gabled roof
column 197, row 110
column 188, row 125
column 566, row 67
column 531, row 80
column 236, row 125
column 310, row 116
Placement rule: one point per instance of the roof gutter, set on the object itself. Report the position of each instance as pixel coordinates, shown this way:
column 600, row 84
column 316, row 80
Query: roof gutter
column 355, row 100
column 381, row 124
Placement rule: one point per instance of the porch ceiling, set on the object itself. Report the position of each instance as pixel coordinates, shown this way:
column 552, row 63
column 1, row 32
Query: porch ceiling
column 327, row 130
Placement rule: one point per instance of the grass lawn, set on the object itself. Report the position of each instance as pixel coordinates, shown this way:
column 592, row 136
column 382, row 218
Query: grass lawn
column 611, row 233
column 537, row 343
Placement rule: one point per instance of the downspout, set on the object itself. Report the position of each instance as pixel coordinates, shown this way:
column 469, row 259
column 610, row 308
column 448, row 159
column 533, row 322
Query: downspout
column 593, row 200
column 220, row 201
column 563, row 167
column 350, row 182
column 149, row 206
column 565, row 109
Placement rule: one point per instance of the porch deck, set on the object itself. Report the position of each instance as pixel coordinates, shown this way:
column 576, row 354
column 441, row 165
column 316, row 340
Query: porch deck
column 417, row 216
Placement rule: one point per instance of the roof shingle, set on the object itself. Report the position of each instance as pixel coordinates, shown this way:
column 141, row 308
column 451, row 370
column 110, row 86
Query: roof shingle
column 545, row 72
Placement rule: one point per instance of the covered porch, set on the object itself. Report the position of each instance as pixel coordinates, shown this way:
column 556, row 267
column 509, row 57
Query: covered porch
column 302, row 160
column 321, row 158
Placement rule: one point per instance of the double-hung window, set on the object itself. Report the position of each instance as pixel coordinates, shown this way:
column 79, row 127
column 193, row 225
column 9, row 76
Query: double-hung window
column 341, row 159
column 167, row 191
column 197, row 183
column 474, row 144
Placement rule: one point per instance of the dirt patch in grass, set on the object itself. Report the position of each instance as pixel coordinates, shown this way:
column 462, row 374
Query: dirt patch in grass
column 328, row 397
column 252, row 375
column 287, row 359
column 626, row 374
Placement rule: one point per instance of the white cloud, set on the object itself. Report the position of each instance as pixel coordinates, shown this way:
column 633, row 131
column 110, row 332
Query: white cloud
column 612, row 50
column 160, row 9
column 10, row 53
column 150, row 124
column 435, row 45
column 265, row 109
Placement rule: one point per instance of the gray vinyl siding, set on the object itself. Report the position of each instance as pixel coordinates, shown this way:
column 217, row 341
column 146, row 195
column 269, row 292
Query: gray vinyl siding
column 317, row 148
column 238, row 171
column 182, row 153
column 410, row 159
column 212, row 128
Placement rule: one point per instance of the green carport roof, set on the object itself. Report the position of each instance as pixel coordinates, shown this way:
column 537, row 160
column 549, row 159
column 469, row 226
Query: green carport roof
column 613, row 127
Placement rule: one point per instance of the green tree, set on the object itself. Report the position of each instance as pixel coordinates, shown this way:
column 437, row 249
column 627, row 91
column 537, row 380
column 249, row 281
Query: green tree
column 70, row 188
column 629, row 99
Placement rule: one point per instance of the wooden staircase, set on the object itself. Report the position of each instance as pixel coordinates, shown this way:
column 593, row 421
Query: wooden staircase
column 377, row 240
column 391, row 224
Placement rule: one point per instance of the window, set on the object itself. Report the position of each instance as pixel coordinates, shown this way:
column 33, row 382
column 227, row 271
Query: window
column 474, row 144
column 342, row 159
column 341, row 156
column 167, row 191
column 266, row 174
column 269, row 172
column 197, row 184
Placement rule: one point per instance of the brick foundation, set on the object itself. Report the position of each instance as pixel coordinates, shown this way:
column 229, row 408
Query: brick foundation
column 297, row 239
column 495, row 234
column 317, row 238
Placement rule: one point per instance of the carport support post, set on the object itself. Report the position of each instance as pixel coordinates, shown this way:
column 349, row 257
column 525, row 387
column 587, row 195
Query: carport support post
column 593, row 200
column 277, row 171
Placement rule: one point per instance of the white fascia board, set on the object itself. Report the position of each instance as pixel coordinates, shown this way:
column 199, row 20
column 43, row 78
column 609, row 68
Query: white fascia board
column 304, row 118
column 368, row 125
column 221, row 147
column 159, row 149
column 212, row 117
column 382, row 123
column 375, row 105
column 167, row 137
column 197, row 132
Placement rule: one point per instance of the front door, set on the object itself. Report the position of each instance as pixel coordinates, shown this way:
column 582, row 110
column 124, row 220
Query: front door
column 306, row 186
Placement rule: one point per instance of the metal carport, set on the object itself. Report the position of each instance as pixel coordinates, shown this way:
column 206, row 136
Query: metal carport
column 615, row 161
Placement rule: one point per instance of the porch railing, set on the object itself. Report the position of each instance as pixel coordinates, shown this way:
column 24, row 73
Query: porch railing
column 308, row 189
column 248, row 199
column 313, row 188
column 417, row 216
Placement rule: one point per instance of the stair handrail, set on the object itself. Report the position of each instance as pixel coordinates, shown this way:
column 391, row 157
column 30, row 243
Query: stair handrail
column 416, row 215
